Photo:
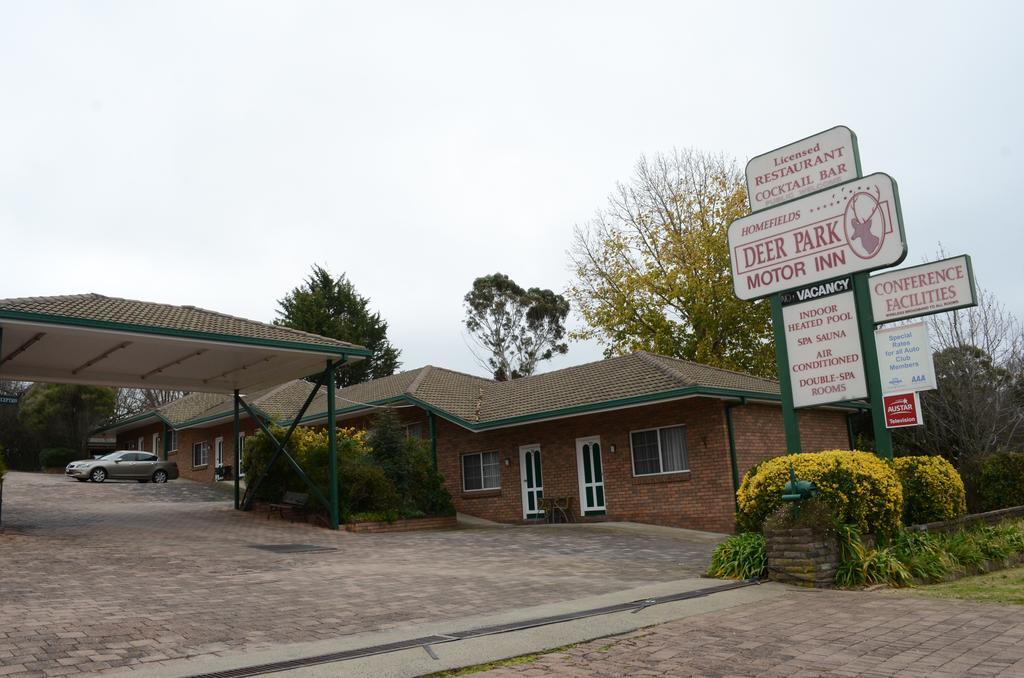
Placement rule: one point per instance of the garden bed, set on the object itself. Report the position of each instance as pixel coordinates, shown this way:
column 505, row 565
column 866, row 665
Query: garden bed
column 404, row 525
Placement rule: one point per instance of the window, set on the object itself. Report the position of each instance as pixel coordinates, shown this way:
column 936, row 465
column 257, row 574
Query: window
column 172, row 440
column 414, row 430
column 145, row 457
column 200, row 454
column 659, row 450
column 481, row 471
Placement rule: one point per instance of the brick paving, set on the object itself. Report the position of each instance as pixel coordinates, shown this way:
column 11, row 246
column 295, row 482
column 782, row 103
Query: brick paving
column 809, row 633
column 101, row 578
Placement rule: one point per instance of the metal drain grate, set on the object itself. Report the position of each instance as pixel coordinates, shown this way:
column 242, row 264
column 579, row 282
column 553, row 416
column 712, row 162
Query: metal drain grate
column 292, row 548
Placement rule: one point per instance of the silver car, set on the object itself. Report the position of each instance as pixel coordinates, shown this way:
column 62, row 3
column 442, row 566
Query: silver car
column 127, row 465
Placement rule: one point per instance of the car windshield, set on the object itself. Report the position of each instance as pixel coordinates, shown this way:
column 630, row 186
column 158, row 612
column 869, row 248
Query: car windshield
column 112, row 455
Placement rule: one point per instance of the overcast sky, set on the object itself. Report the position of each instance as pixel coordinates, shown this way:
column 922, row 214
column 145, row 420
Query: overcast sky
column 208, row 153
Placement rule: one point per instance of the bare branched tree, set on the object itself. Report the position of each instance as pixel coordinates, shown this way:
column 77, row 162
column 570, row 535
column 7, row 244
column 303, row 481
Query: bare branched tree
column 135, row 400
column 978, row 407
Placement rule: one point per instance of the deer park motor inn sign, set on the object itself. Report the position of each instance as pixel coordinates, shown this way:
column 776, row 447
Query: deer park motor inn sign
column 802, row 167
column 825, row 359
column 854, row 226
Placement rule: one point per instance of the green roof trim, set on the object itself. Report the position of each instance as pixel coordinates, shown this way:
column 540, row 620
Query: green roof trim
column 128, row 420
column 156, row 330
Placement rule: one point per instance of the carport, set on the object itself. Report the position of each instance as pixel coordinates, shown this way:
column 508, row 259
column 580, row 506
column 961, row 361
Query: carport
column 107, row 341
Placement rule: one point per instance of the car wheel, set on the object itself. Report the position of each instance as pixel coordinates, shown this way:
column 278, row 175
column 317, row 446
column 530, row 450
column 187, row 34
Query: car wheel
column 98, row 475
column 159, row 476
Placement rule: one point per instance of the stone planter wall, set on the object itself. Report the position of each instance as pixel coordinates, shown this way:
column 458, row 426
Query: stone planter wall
column 406, row 525
column 802, row 556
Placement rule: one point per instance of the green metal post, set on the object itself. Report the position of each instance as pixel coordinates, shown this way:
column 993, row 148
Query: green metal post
column 432, row 425
column 733, row 461
column 238, row 454
column 789, row 420
column 166, row 440
column 866, row 324
column 332, row 437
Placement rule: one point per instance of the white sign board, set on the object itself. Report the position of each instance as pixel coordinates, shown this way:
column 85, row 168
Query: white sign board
column 921, row 290
column 852, row 227
column 825, row 360
column 905, row 358
column 803, row 167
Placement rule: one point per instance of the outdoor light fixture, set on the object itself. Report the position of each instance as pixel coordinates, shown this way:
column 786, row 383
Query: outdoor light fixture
column 611, row 448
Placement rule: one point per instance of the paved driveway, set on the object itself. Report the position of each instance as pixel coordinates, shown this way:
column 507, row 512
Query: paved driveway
column 121, row 575
column 809, row 633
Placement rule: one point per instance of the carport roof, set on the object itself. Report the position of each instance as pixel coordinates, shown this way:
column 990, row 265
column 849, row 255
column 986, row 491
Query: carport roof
column 94, row 339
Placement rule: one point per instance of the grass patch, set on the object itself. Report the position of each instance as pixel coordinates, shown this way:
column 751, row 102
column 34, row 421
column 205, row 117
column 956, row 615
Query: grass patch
column 1004, row 586
column 511, row 661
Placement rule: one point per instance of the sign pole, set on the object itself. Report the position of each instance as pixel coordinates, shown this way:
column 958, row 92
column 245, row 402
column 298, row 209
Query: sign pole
column 866, row 326
column 789, row 421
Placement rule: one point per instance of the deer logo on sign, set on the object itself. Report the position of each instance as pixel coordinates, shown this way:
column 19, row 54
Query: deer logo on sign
column 865, row 224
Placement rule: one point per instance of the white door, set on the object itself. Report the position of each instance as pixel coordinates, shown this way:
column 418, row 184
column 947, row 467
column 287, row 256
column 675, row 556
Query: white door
column 241, row 454
column 156, row 445
column 218, row 452
column 142, row 444
column 533, row 482
column 591, row 472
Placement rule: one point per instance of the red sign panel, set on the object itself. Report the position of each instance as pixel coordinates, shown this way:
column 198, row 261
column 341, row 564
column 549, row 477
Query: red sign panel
column 902, row 409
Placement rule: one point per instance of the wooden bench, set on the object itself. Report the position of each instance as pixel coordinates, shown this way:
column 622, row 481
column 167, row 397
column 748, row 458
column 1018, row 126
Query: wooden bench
column 294, row 502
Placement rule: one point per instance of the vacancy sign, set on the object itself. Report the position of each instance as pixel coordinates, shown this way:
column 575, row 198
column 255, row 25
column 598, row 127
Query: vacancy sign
column 854, row 226
column 902, row 410
column 825, row 360
column 922, row 290
column 803, row 167
column 905, row 358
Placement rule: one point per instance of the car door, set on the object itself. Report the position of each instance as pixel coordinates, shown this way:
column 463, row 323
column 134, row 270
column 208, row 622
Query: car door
column 122, row 466
column 146, row 465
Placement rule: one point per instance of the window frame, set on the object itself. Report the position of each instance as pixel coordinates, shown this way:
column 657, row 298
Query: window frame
column 462, row 470
column 661, row 458
column 172, row 440
column 205, row 449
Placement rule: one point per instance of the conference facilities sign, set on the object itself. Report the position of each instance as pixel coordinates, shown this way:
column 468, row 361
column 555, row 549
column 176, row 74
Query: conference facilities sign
column 935, row 287
column 851, row 227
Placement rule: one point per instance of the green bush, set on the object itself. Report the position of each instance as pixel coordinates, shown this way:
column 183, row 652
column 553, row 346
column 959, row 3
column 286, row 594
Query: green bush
column 994, row 481
column 53, row 457
column 741, row 556
column 932, row 490
column 860, row 488
column 364, row 486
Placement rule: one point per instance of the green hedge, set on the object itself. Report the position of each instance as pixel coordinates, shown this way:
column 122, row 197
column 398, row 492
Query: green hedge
column 994, row 481
column 860, row 489
column 58, row 457
column 932, row 490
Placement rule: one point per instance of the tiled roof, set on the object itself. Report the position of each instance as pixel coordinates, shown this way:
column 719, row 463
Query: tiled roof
column 482, row 402
column 147, row 315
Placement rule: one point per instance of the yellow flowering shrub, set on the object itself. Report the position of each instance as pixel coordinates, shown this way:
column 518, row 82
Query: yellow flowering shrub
column 932, row 490
column 859, row 487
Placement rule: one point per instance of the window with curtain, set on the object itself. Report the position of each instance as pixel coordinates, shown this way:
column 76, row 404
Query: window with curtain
column 659, row 450
column 481, row 471
column 200, row 454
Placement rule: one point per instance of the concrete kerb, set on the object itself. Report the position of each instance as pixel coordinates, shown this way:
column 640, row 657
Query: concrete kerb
column 482, row 649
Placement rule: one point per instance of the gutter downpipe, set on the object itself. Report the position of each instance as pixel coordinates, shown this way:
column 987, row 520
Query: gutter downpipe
column 732, row 447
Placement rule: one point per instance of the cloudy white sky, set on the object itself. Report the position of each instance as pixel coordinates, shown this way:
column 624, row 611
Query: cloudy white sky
column 208, row 153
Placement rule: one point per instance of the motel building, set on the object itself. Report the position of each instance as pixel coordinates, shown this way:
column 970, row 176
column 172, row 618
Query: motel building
column 641, row 437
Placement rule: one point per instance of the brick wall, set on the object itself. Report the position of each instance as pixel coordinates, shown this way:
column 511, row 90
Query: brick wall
column 186, row 438
column 701, row 498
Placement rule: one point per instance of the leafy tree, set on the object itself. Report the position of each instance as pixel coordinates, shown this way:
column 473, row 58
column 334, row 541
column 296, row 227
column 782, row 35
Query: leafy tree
column 333, row 308
column 517, row 328
column 652, row 268
column 20, row 445
column 62, row 415
column 977, row 407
